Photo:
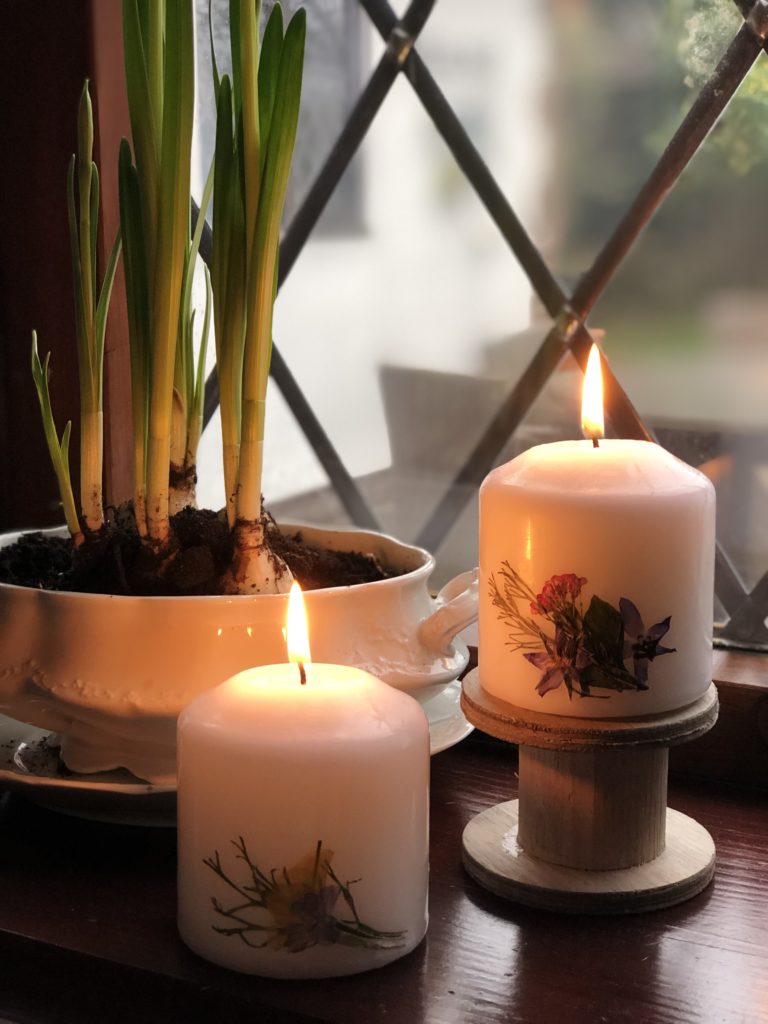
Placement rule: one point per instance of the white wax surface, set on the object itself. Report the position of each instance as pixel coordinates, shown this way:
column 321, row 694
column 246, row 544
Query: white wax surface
column 633, row 520
column 343, row 760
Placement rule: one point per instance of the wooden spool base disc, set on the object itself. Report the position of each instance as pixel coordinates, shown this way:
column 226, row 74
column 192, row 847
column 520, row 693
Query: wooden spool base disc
column 493, row 858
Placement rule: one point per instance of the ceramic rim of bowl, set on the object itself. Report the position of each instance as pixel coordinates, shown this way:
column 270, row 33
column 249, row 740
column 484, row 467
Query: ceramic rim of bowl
column 423, row 569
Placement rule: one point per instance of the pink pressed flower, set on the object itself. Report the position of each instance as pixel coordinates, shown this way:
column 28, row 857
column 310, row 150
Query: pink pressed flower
column 569, row 584
column 556, row 591
column 544, row 600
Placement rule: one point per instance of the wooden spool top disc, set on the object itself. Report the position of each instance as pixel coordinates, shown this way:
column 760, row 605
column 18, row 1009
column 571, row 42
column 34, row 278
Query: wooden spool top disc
column 557, row 732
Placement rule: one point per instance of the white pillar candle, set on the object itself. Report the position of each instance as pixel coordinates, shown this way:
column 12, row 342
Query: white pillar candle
column 302, row 816
column 597, row 572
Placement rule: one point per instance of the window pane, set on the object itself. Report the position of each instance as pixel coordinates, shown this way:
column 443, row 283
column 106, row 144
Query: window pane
column 686, row 315
column 406, row 319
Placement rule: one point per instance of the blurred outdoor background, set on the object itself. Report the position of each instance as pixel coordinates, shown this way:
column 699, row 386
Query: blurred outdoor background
column 406, row 319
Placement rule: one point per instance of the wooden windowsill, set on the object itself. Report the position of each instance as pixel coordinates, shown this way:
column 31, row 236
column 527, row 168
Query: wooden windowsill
column 87, row 923
column 88, row 933
column 736, row 749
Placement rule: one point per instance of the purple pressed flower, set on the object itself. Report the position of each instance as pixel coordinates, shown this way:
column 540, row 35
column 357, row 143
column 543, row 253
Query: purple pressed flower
column 554, row 674
column 315, row 924
column 561, row 666
column 642, row 644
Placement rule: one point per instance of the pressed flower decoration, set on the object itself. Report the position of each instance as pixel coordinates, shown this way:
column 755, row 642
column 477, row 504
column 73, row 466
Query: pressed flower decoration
column 296, row 908
column 603, row 647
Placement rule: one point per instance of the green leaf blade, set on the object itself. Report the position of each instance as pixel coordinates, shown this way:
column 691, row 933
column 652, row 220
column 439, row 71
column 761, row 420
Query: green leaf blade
column 57, row 450
column 269, row 67
column 172, row 242
column 249, row 113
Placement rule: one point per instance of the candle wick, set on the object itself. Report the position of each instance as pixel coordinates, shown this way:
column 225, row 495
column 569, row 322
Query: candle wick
column 302, row 673
column 595, row 442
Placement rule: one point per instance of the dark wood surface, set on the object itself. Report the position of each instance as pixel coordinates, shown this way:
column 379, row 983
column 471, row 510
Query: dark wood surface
column 38, row 120
column 87, row 931
column 736, row 750
column 64, row 43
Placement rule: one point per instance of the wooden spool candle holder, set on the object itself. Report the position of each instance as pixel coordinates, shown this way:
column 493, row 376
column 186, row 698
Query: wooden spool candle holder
column 590, row 831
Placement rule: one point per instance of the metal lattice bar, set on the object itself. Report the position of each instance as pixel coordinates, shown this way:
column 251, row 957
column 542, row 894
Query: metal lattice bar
column 747, row 622
column 399, row 43
column 696, row 125
column 343, row 483
column 508, row 417
column 709, row 104
column 729, row 586
column 472, row 164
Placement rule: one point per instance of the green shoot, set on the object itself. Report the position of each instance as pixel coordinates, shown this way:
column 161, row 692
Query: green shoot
column 137, row 292
column 228, row 284
column 58, row 449
column 143, row 51
column 248, row 26
column 257, row 117
column 269, row 65
column 154, row 195
column 214, row 65
column 262, row 265
column 185, row 385
column 172, row 248
column 91, row 309
column 195, row 424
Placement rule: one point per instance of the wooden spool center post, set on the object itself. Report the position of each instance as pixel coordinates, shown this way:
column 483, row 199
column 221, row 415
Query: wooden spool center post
column 597, row 810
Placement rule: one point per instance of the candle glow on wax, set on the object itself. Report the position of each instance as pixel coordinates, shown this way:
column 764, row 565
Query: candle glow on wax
column 598, row 562
column 592, row 422
column 285, row 792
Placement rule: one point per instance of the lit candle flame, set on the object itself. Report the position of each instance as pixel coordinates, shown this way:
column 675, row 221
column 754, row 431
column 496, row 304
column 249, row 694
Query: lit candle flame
column 297, row 632
column 592, row 423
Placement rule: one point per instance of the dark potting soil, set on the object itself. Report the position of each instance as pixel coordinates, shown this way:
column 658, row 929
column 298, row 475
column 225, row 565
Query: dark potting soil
column 116, row 562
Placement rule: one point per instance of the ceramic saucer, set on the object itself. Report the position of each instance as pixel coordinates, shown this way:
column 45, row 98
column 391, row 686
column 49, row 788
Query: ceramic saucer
column 30, row 765
column 447, row 724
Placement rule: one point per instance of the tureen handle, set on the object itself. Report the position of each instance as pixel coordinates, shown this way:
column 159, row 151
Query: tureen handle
column 456, row 608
